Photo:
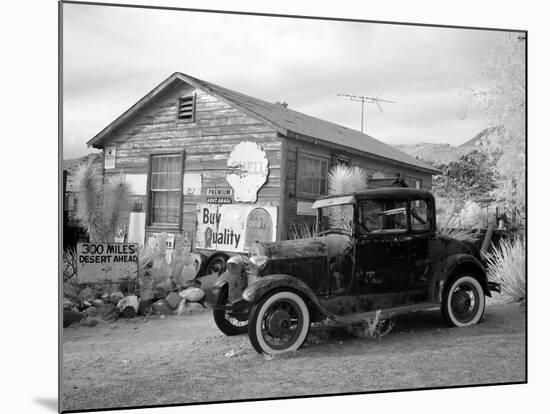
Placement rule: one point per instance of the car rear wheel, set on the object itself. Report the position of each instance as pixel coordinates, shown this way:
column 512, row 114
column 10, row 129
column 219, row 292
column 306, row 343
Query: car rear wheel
column 278, row 323
column 225, row 321
column 463, row 302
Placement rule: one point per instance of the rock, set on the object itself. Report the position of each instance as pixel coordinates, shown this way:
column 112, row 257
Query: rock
column 92, row 311
column 85, row 304
column 145, row 307
column 161, row 307
column 98, row 291
column 193, row 307
column 129, row 312
column 86, row 293
column 89, row 322
column 106, row 298
column 67, row 304
column 108, row 312
column 159, row 292
column 173, row 299
column 70, row 290
column 116, row 297
column 128, row 301
column 147, row 294
column 71, row 317
column 192, row 294
column 97, row 303
column 181, row 307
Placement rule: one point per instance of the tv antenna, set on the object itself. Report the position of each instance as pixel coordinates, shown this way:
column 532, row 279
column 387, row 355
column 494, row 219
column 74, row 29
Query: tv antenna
column 367, row 99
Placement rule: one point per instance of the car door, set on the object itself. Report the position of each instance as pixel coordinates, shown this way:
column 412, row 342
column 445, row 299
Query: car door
column 421, row 231
column 382, row 247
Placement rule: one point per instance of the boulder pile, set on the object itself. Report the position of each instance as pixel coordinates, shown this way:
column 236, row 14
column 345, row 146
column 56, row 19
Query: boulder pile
column 165, row 285
column 91, row 304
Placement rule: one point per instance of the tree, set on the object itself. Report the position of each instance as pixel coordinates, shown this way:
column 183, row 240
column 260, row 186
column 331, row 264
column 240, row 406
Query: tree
column 503, row 102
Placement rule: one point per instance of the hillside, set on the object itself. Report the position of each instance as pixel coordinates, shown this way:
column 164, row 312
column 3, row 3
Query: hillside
column 436, row 154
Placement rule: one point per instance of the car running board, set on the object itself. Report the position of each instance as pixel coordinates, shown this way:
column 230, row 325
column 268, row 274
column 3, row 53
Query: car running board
column 351, row 319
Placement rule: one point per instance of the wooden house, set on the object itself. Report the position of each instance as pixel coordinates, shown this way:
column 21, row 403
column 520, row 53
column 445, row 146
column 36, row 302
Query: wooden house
column 217, row 168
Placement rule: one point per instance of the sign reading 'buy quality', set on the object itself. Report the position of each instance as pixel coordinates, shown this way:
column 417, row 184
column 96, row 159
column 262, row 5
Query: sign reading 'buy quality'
column 234, row 227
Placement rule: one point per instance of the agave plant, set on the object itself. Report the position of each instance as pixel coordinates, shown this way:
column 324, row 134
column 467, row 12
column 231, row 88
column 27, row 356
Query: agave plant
column 450, row 228
column 506, row 265
column 343, row 179
column 100, row 208
column 88, row 183
column 115, row 202
column 302, row 232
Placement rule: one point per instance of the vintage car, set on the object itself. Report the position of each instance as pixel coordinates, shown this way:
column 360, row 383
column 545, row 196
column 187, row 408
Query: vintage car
column 374, row 250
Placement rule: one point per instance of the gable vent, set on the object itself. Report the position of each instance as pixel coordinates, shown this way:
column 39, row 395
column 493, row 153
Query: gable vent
column 186, row 108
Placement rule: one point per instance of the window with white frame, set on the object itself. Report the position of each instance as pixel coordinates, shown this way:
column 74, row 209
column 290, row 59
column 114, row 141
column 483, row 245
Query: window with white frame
column 165, row 178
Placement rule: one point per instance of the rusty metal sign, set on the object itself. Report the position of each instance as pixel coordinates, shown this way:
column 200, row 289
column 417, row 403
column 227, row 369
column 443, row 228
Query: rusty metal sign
column 248, row 169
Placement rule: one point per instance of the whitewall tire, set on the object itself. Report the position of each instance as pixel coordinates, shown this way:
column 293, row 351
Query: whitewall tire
column 278, row 323
column 463, row 302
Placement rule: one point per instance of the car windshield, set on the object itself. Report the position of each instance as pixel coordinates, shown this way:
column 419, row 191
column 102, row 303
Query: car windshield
column 336, row 218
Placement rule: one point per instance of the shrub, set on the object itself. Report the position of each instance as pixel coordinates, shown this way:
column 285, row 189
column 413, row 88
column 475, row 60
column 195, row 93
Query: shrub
column 372, row 328
column 506, row 265
column 69, row 264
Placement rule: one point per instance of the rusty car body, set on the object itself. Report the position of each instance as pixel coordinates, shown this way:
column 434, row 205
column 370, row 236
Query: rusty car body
column 375, row 250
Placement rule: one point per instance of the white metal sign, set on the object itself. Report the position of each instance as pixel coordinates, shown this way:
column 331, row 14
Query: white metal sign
column 99, row 262
column 234, row 227
column 248, row 169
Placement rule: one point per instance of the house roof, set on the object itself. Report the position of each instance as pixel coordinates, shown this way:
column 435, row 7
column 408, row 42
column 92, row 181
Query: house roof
column 283, row 120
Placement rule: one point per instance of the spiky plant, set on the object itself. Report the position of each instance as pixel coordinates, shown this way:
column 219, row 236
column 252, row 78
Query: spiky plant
column 506, row 265
column 450, row 228
column 115, row 200
column 341, row 180
column 88, row 183
column 302, row 232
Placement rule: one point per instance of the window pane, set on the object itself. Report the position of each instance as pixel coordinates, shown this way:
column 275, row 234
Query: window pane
column 312, row 175
column 166, row 178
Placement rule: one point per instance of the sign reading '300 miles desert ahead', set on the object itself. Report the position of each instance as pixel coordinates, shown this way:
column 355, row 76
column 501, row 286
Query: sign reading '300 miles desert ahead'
column 100, row 262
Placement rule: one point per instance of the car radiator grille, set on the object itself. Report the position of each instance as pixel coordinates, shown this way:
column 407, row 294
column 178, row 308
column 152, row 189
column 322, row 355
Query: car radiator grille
column 311, row 270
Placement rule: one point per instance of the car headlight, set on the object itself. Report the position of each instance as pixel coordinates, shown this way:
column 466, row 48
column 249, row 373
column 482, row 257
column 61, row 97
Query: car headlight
column 255, row 263
column 235, row 264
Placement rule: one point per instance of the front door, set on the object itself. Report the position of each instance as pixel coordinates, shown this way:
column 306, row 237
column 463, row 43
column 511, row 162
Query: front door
column 382, row 249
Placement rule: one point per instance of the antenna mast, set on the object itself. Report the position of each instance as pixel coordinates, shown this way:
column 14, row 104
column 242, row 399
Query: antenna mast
column 368, row 99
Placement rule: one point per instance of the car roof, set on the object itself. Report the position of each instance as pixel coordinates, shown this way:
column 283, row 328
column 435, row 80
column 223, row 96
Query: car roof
column 388, row 192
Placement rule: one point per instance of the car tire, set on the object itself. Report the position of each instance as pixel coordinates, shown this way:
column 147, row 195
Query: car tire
column 463, row 301
column 216, row 264
column 225, row 323
column 278, row 323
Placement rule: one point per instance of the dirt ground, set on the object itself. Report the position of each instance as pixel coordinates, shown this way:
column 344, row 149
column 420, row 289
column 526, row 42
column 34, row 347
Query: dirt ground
column 185, row 359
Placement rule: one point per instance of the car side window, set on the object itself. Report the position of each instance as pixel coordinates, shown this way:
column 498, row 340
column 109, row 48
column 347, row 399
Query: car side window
column 383, row 216
column 419, row 215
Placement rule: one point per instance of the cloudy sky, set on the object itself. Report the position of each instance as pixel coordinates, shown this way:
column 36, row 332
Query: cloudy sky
column 114, row 56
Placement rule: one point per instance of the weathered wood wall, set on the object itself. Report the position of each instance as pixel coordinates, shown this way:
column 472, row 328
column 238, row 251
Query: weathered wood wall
column 207, row 143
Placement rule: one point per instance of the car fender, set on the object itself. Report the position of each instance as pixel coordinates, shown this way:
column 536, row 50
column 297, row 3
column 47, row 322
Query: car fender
column 451, row 264
column 235, row 284
column 255, row 291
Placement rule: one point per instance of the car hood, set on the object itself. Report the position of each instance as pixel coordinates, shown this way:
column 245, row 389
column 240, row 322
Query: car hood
column 329, row 245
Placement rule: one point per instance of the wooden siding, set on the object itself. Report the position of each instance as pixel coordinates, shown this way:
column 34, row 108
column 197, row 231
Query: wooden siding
column 207, row 143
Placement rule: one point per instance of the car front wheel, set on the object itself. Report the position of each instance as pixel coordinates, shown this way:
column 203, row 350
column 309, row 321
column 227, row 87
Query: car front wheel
column 278, row 323
column 225, row 320
column 463, row 302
